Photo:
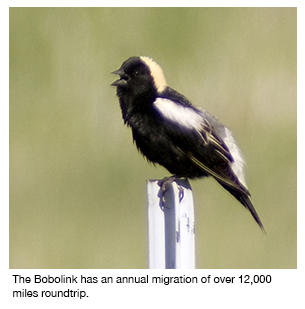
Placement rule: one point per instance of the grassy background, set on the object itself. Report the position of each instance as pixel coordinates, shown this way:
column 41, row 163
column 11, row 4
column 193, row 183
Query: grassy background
column 77, row 183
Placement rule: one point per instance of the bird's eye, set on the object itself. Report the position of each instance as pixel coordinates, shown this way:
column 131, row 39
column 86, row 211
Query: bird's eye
column 136, row 73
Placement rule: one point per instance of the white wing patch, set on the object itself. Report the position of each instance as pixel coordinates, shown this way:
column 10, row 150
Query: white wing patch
column 183, row 116
column 238, row 164
column 189, row 118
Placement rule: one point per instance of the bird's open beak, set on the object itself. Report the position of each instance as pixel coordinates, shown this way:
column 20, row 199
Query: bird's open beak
column 119, row 82
column 118, row 72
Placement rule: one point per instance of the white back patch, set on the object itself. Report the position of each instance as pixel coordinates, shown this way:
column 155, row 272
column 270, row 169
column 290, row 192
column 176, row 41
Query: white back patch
column 183, row 116
column 156, row 73
column 238, row 164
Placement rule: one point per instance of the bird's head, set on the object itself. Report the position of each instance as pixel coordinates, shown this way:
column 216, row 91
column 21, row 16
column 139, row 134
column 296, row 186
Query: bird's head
column 140, row 76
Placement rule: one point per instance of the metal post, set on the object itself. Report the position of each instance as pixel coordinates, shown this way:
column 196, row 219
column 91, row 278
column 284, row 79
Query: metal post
column 171, row 231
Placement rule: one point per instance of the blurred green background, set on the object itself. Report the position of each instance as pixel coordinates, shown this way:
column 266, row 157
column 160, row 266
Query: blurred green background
column 77, row 182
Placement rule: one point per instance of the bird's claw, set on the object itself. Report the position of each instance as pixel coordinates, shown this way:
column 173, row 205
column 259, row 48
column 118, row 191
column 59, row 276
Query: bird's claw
column 181, row 193
column 164, row 183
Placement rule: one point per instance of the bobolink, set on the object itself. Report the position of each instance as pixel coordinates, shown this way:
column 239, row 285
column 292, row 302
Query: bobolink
column 169, row 130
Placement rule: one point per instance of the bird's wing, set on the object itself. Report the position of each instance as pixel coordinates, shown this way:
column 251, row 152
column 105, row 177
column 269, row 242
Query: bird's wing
column 208, row 135
column 225, row 178
column 201, row 138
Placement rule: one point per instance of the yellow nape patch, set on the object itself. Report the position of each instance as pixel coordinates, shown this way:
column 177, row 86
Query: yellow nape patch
column 156, row 73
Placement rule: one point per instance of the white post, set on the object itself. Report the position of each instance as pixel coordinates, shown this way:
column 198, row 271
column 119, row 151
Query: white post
column 171, row 230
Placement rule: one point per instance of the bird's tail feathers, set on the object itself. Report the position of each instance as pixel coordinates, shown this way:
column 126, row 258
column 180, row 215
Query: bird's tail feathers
column 246, row 201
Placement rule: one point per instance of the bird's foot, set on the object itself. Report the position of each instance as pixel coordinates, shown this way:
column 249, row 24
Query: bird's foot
column 164, row 184
column 181, row 193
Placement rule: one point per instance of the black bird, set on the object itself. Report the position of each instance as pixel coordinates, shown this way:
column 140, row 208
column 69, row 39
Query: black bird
column 170, row 131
